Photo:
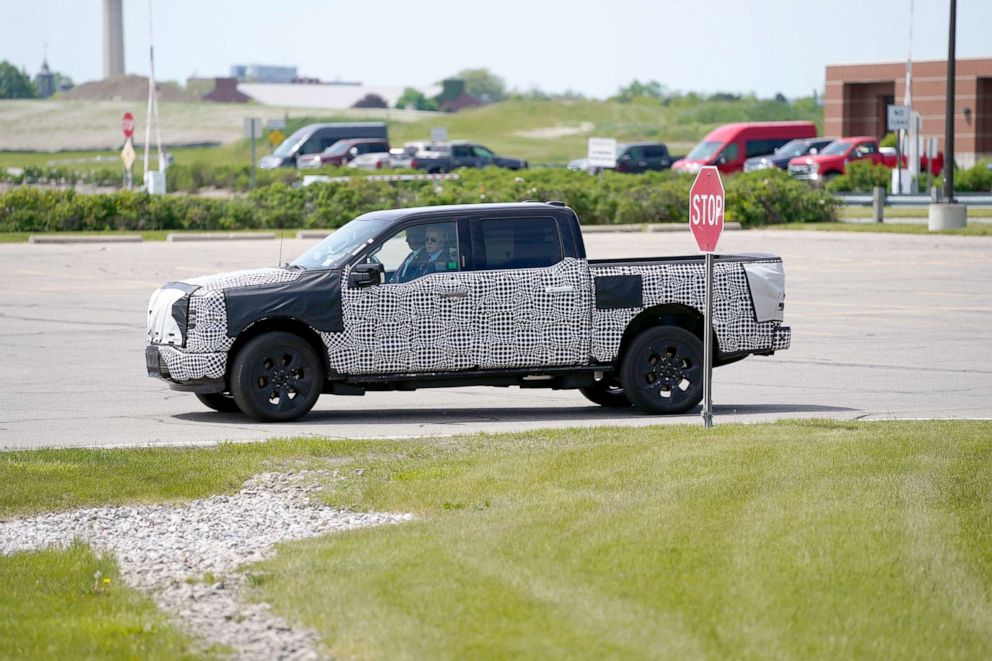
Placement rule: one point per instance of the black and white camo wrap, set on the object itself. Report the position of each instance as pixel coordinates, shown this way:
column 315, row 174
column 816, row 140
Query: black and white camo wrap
column 207, row 343
column 526, row 317
column 734, row 321
column 482, row 320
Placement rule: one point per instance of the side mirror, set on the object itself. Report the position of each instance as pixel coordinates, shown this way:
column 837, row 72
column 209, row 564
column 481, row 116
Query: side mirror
column 814, row 151
column 366, row 274
column 722, row 160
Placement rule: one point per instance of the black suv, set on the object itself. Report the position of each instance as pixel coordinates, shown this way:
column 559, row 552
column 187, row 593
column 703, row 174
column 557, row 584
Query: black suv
column 642, row 156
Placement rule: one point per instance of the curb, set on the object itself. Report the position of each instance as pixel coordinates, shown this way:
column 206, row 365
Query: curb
column 212, row 236
column 116, row 238
column 313, row 234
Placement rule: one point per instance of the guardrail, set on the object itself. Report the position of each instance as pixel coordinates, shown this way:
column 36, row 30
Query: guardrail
column 324, row 179
column 921, row 200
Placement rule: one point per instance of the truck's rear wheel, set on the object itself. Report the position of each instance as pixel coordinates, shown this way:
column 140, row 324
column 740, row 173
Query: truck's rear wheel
column 277, row 377
column 606, row 392
column 219, row 401
column 662, row 370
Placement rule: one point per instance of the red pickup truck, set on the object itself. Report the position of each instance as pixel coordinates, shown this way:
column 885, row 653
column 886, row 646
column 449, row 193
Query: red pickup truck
column 833, row 159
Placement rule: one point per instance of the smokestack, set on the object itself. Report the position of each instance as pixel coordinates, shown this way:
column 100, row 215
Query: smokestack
column 113, row 38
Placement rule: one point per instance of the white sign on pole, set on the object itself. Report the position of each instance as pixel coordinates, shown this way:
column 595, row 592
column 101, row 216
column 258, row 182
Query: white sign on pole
column 275, row 124
column 898, row 118
column 439, row 134
column 602, row 152
column 253, row 127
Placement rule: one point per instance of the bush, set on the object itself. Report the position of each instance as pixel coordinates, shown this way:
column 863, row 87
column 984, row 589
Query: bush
column 753, row 199
column 768, row 197
column 862, row 176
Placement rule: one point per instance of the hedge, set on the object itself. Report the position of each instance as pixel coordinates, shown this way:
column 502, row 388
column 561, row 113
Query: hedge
column 753, row 199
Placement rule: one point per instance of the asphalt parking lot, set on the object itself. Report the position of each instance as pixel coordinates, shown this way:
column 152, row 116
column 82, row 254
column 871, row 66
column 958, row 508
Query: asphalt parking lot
column 884, row 326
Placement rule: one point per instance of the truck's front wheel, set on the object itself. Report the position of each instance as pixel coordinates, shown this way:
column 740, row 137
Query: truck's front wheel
column 277, row 377
column 662, row 370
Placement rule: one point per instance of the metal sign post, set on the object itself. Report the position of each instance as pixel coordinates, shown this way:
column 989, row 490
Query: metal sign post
column 706, row 204
column 253, row 128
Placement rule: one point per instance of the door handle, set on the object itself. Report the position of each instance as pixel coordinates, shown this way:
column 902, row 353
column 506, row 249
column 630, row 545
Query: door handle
column 558, row 289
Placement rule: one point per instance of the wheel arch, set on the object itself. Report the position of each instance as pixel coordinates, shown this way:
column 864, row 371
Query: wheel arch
column 667, row 314
column 277, row 324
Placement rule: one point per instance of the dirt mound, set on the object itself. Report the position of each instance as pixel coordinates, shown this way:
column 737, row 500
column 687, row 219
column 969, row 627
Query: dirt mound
column 126, row 88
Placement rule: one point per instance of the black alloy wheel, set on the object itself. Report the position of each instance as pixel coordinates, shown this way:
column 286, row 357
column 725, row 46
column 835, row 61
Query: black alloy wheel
column 277, row 377
column 662, row 371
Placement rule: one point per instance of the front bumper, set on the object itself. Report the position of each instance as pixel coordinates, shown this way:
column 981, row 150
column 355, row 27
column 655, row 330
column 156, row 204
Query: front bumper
column 782, row 338
column 192, row 372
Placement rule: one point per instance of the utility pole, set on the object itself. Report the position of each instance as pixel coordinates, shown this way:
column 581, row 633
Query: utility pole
column 949, row 119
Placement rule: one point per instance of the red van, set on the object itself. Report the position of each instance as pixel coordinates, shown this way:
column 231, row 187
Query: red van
column 728, row 146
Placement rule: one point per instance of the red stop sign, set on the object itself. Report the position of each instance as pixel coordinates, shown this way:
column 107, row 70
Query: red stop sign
column 706, row 203
column 127, row 125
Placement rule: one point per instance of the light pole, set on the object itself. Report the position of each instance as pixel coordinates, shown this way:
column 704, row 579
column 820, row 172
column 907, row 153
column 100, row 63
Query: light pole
column 949, row 215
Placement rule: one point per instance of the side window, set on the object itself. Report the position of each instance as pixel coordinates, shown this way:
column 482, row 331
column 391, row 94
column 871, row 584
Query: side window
column 635, row 153
column 518, row 243
column 461, row 151
column 314, row 146
column 655, row 151
column 729, row 153
column 418, row 251
column 482, row 152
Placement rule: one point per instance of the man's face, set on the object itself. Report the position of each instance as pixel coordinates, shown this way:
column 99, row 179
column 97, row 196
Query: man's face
column 434, row 242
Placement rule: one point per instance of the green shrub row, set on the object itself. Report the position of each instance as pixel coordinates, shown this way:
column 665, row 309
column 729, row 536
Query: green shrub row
column 862, row 176
column 753, row 199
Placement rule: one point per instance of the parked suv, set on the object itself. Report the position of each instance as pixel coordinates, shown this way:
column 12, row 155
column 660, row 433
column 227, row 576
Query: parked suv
column 781, row 156
column 632, row 157
column 341, row 152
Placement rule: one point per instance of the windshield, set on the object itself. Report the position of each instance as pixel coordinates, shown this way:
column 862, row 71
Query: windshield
column 704, row 150
column 288, row 146
column 338, row 148
column 334, row 251
column 793, row 148
column 836, row 148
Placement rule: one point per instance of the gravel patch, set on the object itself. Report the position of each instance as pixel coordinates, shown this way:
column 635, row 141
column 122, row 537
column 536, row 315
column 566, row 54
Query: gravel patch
column 188, row 557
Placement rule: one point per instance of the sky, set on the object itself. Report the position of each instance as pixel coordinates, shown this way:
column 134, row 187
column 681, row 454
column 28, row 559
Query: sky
column 592, row 47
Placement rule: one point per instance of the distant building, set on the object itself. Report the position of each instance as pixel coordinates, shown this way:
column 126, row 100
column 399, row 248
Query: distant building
column 45, row 81
column 221, row 90
column 453, row 96
column 858, row 96
column 263, row 73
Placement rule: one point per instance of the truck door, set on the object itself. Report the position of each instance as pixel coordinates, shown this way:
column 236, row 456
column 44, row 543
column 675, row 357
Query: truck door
column 532, row 304
column 420, row 318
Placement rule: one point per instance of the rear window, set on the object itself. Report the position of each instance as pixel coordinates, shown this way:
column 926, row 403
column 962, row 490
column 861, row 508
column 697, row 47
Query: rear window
column 518, row 243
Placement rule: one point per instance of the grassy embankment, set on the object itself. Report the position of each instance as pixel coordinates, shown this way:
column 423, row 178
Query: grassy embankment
column 539, row 131
column 790, row 540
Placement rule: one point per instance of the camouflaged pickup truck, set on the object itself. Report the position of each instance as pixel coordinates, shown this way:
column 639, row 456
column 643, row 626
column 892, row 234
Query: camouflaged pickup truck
column 486, row 294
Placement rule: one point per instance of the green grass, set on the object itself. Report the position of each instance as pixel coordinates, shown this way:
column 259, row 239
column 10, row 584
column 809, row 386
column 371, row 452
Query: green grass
column 972, row 229
column 811, row 539
column 49, row 609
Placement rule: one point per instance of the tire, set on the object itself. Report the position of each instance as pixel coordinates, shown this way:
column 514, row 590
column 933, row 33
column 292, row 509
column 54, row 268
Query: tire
column 606, row 392
column 219, row 401
column 662, row 371
column 277, row 377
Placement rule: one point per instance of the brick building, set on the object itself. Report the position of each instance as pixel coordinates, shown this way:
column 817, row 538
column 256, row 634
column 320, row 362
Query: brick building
column 857, row 96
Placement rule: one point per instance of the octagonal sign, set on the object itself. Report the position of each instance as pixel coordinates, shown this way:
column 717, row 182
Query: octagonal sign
column 706, row 203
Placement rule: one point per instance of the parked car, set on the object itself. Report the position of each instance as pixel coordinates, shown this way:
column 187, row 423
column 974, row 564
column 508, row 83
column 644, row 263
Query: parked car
column 728, row 146
column 402, row 158
column 462, row 154
column 632, row 157
column 509, row 299
column 342, row 152
column 833, row 160
column 780, row 157
column 315, row 138
column 372, row 161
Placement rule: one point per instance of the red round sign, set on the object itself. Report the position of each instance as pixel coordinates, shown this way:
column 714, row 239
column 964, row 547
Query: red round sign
column 127, row 125
column 706, row 203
